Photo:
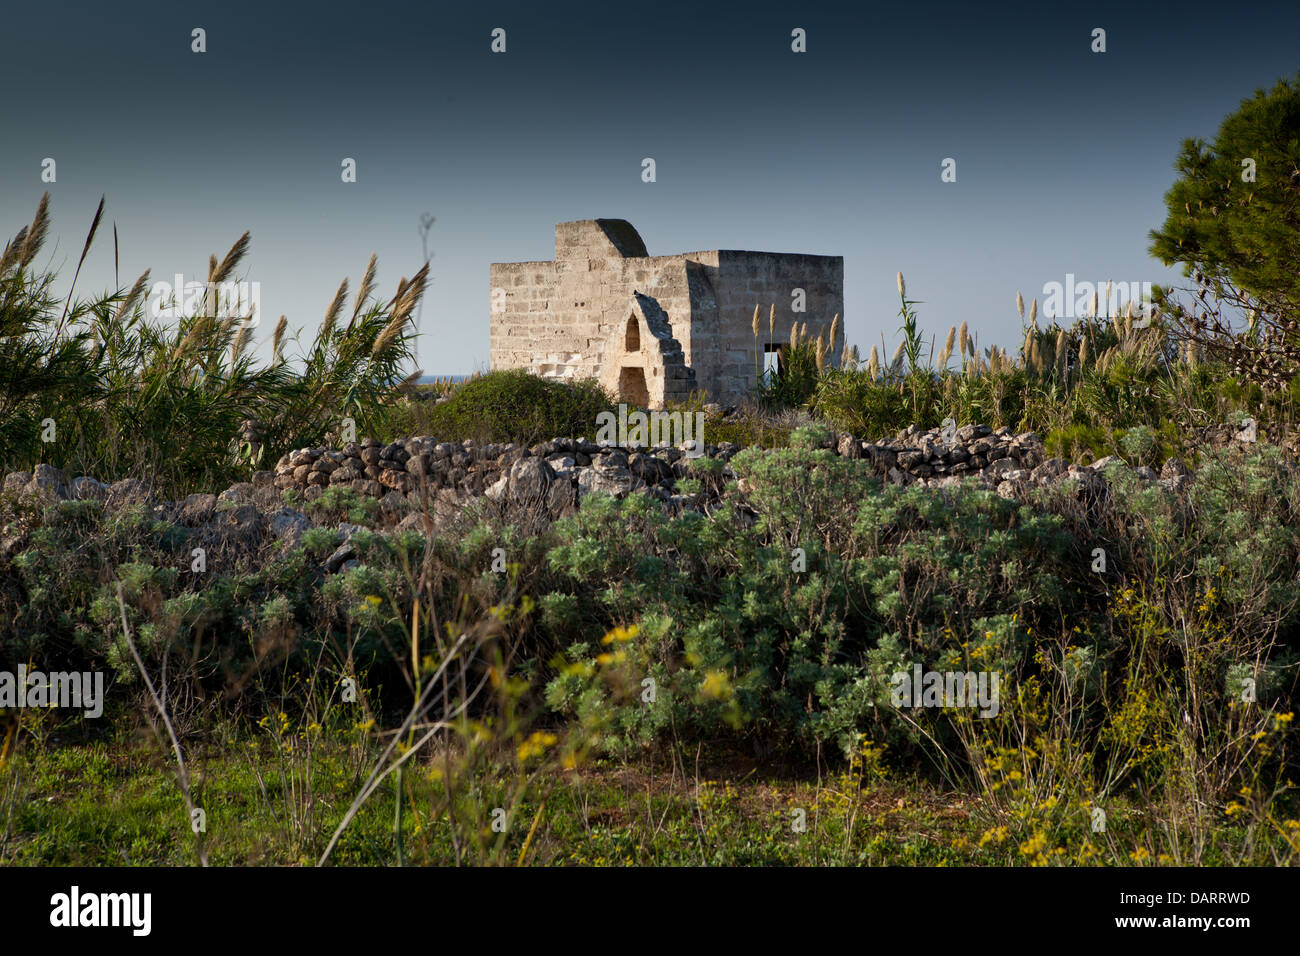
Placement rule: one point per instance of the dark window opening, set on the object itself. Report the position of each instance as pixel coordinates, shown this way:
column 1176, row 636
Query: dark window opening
column 632, row 387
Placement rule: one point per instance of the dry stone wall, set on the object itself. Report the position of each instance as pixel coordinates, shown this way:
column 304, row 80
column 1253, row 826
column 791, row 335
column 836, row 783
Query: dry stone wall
column 422, row 483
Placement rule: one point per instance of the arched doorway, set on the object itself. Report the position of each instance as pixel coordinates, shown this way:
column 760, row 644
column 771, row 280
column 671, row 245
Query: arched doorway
column 641, row 363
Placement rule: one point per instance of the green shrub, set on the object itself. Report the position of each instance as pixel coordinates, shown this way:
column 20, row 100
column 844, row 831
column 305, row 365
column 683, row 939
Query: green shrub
column 513, row 406
column 748, row 425
column 797, row 381
column 811, row 436
column 854, row 401
column 1140, row 445
column 338, row 503
column 1080, row 443
column 785, row 641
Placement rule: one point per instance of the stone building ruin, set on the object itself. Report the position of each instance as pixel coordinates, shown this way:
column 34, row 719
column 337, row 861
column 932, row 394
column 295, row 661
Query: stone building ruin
column 652, row 329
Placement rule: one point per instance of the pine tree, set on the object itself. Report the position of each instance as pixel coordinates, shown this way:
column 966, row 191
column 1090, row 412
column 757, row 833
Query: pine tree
column 1234, row 226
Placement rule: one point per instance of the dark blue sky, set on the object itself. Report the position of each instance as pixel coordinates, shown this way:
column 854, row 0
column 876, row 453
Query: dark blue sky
column 1063, row 155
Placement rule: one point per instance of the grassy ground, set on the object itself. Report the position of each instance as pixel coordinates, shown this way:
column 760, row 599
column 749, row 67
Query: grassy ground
column 277, row 803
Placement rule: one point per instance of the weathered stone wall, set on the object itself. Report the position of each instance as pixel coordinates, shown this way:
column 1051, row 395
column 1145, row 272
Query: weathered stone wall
column 721, row 347
column 565, row 319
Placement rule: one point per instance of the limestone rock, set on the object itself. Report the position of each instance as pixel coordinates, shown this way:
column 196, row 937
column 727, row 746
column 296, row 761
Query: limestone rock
column 616, row 481
column 127, row 492
column 196, row 509
column 529, row 480
column 288, row 525
column 85, row 488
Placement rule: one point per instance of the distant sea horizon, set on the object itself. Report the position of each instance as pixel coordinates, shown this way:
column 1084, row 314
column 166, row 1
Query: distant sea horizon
column 426, row 379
